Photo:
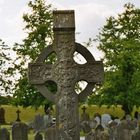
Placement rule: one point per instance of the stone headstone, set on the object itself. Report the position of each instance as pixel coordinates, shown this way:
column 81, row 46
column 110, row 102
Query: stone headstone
column 105, row 118
column 93, row 124
column 85, row 121
column 65, row 73
column 84, row 115
column 112, row 130
column 50, row 133
column 48, row 119
column 19, row 131
column 2, row 115
column 38, row 124
column 117, row 120
column 128, row 117
column 38, row 136
column 4, row 134
column 123, row 131
column 98, row 120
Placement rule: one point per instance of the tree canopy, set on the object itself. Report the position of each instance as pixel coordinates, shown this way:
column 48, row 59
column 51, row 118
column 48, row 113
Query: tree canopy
column 39, row 35
column 119, row 40
column 4, row 62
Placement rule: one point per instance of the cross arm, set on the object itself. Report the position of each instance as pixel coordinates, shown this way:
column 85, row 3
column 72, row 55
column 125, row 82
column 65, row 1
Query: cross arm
column 39, row 73
column 92, row 72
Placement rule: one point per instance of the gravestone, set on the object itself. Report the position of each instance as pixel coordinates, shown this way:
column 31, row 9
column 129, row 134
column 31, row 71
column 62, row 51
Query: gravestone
column 50, row 133
column 4, row 134
column 65, row 73
column 93, row 124
column 105, row 118
column 84, row 115
column 48, row 118
column 112, row 130
column 19, row 131
column 98, row 119
column 84, row 121
column 2, row 115
column 124, row 131
column 38, row 123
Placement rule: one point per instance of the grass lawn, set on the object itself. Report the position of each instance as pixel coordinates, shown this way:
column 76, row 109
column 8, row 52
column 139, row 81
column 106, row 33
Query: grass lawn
column 26, row 115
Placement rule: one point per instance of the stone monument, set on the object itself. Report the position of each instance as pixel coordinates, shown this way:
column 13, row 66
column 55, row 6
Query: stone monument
column 65, row 72
column 18, row 118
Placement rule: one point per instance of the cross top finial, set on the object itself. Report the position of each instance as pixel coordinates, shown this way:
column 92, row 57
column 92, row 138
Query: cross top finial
column 63, row 20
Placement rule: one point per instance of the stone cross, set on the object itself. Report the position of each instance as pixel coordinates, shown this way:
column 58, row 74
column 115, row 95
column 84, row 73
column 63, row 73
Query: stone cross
column 18, row 118
column 65, row 72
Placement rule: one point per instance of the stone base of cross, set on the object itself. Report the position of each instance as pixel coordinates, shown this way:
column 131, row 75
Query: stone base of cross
column 65, row 73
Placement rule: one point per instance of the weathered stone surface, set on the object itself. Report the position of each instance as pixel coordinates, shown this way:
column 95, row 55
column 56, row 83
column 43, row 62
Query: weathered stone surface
column 50, row 134
column 4, row 134
column 38, row 123
column 65, row 72
column 19, row 131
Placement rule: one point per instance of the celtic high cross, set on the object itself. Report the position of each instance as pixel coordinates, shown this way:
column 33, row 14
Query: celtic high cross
column 65, row 73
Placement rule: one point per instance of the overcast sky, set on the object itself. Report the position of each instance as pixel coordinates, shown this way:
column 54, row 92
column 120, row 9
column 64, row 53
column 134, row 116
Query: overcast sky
column 90, row 17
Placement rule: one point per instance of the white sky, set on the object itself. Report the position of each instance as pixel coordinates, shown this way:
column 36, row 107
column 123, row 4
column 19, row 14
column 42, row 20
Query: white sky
column 90, row 17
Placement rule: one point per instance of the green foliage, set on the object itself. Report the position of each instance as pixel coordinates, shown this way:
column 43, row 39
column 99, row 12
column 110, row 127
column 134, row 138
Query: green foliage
column 5, row 100
column 4, row 62
column 120, row 42
column 39, row 30
column 39, row 35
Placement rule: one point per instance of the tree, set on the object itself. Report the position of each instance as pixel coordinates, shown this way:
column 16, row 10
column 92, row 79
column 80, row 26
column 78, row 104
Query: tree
column 39, row 35
column 119, row 40
column 4, row 62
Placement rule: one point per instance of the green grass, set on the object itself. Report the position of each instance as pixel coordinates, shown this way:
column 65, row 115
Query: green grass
column 114, row 111
column 26, row 115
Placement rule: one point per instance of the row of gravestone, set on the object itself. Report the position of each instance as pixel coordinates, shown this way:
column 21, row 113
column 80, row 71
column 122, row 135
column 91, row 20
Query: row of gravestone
column 105, row 127
column 125, row 130
column 20, row 132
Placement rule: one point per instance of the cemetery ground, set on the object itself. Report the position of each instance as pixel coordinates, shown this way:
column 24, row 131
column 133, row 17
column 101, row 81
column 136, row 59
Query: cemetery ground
column 27, row 114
